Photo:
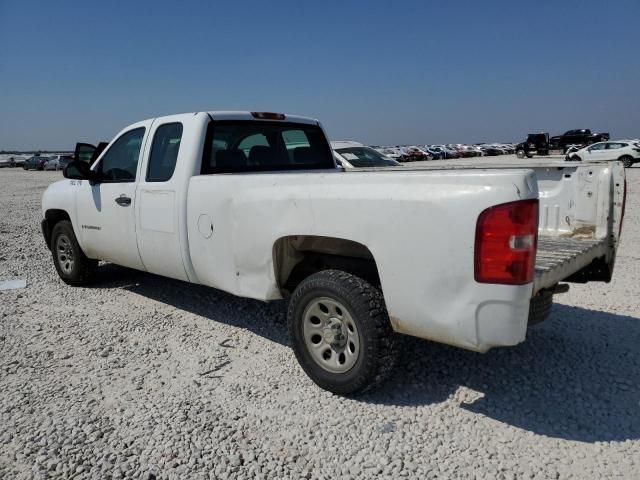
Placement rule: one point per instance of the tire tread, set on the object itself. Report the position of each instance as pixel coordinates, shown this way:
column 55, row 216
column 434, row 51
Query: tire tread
column 367, row 300
column 85, row 266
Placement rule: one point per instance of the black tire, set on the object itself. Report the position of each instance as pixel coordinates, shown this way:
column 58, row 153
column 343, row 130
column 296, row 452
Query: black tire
column 520, row 153
column 72, row 265
column 377, row 352
column 575, row 158
column 627, row 161
column 540, row 307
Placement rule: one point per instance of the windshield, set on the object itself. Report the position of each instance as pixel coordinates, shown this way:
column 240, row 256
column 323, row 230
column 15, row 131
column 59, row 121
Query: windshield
column 365, row 157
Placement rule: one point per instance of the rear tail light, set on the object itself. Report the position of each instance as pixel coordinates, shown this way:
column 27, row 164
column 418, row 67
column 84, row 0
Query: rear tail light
column 506, row 242
column 268, row 115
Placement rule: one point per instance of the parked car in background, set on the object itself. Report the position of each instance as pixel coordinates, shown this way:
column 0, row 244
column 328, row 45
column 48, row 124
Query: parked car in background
column 537, row 143
column 58, row 162
column 414, row 154
column 581, row 136
column 475, row 148
column 351, row 154
column 491, row 151
column 35, row 163
column 465, row 151
column 447, row 151
column 435, row 152
column 390, row 152
column 628, row 152
column 11, row 161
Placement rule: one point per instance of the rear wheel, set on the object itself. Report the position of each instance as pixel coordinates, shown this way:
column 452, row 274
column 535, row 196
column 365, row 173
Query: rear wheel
column 540, row 307
column 71, row 263
column 627, row 161
column 340, row 332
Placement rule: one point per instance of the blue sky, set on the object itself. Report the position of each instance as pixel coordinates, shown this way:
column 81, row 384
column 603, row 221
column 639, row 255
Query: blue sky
column 379, row 72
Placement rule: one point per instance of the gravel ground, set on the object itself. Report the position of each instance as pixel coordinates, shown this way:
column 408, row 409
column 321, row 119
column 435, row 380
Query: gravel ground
column 144, row 377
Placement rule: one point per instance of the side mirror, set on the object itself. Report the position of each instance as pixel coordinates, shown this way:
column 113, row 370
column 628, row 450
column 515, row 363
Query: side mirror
column 84, row 152
column 78, row 170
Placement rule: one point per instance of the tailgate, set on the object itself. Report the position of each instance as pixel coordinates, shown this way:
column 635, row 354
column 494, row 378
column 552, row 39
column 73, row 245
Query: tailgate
column 581, row 208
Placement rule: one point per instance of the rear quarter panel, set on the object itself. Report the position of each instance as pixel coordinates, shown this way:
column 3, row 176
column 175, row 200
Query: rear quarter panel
column 419, row 226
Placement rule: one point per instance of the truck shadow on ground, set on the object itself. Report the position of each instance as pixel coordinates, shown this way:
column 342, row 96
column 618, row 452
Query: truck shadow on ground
column 265, row 319
column 576, row 377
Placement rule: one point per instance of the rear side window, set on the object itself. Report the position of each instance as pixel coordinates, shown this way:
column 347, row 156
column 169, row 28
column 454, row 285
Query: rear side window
column 615, row 146
column 164, row 152
column 255, row 146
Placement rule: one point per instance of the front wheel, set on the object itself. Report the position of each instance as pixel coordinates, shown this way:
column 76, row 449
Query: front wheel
column 521, row 154
column 340, row 332
column 627, row 161
column 72, row 265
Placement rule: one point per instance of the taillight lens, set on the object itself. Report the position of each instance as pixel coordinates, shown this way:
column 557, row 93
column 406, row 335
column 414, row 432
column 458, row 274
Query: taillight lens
column 506, row 242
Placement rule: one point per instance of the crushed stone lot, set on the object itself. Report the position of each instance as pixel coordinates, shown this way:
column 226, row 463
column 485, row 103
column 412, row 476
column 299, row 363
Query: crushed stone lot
column 145, row 377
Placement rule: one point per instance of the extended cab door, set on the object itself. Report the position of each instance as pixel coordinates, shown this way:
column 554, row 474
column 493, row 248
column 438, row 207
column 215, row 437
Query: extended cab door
column 160, row 197
column 106, row 209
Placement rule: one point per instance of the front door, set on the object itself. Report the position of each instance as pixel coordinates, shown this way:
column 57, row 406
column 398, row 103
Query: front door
column 106, row 209
column 597, row 151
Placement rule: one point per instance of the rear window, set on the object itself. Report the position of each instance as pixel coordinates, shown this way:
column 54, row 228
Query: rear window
column 252, row 146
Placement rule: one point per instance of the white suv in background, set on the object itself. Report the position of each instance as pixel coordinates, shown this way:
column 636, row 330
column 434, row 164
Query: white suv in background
column 627, row 151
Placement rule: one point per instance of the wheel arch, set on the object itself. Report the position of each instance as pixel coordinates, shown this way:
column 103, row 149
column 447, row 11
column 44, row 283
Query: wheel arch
column 295, row 257
column 51, row 217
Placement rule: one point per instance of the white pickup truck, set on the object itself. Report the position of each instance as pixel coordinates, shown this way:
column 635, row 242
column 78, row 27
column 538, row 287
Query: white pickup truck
column 253, row 204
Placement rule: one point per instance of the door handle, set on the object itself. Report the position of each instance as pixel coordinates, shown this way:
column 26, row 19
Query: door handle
column 123, row 201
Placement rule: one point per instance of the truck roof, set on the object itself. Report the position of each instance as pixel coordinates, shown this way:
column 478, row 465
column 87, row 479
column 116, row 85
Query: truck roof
column 245, row 115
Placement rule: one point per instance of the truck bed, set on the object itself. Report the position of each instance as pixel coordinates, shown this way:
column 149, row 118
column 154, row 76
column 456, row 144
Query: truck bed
column 560, row 257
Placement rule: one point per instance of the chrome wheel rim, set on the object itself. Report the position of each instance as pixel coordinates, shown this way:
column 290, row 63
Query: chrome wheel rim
column 64, row 252
column 330, row 335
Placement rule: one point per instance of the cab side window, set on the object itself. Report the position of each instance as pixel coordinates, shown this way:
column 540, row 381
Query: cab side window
column 120, row 162
column 164, row 152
